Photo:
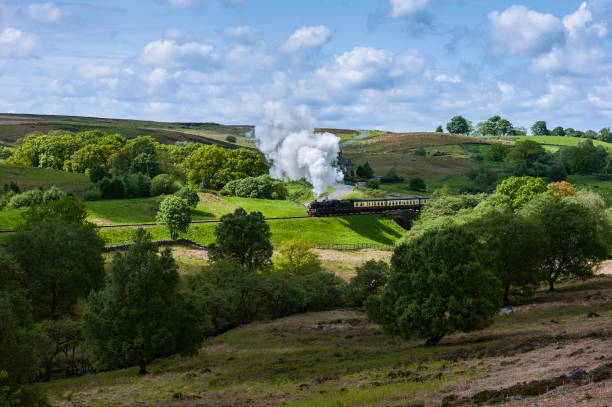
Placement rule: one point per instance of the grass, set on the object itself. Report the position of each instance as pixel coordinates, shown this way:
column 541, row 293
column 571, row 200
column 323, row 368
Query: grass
column 293, row 362
column 29, row 178
column 367, row 229
column 561, row 141
column 592, row 183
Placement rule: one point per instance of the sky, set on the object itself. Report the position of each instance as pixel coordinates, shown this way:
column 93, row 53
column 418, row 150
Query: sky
column 402, row 65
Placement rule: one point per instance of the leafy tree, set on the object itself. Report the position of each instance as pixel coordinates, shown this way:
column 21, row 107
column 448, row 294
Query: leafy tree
column 443, row 204
column 86, row 157
column 521, row 190
column 526, row 151
column 570, row 132
column 27, row 198
column 137, row 185
column 590, row 134
column 587, row 159
column 576, row 235
column 482, row 180
column 372, row 184
column 420, row 151
column 322, row 290
column 263, row 187
column 97, row 172
column 371, row 277
column 140, row 315
column 296, row 257
column 281, row 295
column 163, row 184
column 365, row 171
column 539, row 129
column 558, row 131
column 494, row 126
column 67, row 209
column 230, row 139
column 439, row 129
column 497, row 152
column 59, row 347
column 561, row 189
column 112, row 188
column 605, row 135
column 53, row 194
column 144, row 163
column 61, row 263
column 188, row 195
column 459, row 125
column 417, row 184
column 243, row 238
column 511, row 247
column 392, row 177
column 174, row 213
column 436, row 287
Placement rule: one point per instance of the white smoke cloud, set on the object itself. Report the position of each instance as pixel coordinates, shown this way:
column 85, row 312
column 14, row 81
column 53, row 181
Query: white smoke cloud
column 288, row 140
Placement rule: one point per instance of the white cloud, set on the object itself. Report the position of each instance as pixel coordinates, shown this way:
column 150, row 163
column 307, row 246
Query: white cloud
column 44, row 12
column 307, row 37
column 449, row 79
column 16, row 44
column 523, row 31
column 407, row 8
column 242, row 33
column 169, row 54
column 185, row 3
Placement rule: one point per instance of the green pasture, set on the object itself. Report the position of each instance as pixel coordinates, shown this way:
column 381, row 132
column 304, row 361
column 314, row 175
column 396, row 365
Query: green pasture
column 30, row 177
column 560, row 140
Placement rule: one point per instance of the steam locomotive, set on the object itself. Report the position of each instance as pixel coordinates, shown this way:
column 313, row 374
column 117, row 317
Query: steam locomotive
column 363, row 206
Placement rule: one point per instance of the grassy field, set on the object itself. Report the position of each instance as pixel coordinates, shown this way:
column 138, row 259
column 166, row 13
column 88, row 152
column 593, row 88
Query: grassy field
column 561, row 141
column 592, row 183
column 294, row 362
column 367, row 229
column 29, row 178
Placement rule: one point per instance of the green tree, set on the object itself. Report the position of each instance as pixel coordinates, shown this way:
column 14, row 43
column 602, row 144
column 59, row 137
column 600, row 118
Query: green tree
column 420, row 151
column 140, row 315
column 188, row 195
column 511, row 247
column 230, row 139
column 459, row 125
column 417, row 184
column 174, row 213
column 67, row 209
column 163, row 184
column 61, row 263
column 526, row 151
column 144, row 163
column 436, row 287
column 539, row 129
column 587, row 159
column 370, row 279
column 521, row 190
column 87, row 157
column 497, row 152
column 439, row 129
column 558, row 131
column 97, row 172
column 576, row 235
column 605, row 135
column 243, row 238
column 296, row 257
column 365, row 171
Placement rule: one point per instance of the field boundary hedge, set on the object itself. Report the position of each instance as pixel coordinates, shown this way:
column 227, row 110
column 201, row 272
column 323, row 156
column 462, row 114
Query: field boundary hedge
column 177, row 242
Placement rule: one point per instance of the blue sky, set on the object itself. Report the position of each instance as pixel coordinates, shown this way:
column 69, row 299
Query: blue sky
column 390, row 64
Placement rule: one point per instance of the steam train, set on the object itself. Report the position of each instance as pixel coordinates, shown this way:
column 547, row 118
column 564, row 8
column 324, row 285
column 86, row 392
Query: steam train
column 363, row 206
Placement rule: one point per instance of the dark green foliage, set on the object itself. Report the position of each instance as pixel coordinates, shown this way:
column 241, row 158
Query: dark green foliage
column 140, row 315
column 144, row 163
column 446, row 205
column 420, row 151
column 67, row 210
column 12, row 187
column 97, row 173
column 112, row 188
column 93, row 194
column 587, row 159
column 494, row 126
column 52, row 194
column 539, row 129
column 391, row 177
column 322, row 290
column 436, row 287
column 364, row 171
column 576, row 236
column 243, row 238
column 163, row 184
column 230, row 139
column 497, row 152
column 174, row 213
column 282, row 295
column 605, row 135
column 482, row 180
column 137, row 185
column 188, row 195
column 458, row 125
column 511, row 247
column 372, row 184
column 558, row 131
column 28, row 198
column 263, row 187
column 370, row 279
column 60, row 348
column 417, row 184
column 526, row 151
column 439, row 129
column 61, row 263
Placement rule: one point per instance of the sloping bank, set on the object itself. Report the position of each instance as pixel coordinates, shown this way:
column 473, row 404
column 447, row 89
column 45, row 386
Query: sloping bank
column 366, row 229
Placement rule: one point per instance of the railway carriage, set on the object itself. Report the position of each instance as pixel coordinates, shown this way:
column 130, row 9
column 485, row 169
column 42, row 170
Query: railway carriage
column 362, row 206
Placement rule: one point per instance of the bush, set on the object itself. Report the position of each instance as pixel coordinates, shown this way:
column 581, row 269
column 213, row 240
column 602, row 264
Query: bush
column 436, row 287
column 296, row 257
column 420, row 151
column 417, row 184
column 372, row 184
column 53, row 194
column 281, row 295
column 391, row 177
column 322, row 290
column 137, row 185
column 188, row 195
column 97, row 173
column 145, row 164
column 370, row 279
column 28, row 198
column 263, row 187
column 230, row 139
column 175, row 214
column 163, row 184
column 112, row 188
column 93, row 193
column 4, row 152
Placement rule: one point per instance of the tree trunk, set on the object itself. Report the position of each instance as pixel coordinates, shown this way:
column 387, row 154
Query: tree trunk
column 507, row 295
column 433, row 340
column 143, row 368
column 551, row 285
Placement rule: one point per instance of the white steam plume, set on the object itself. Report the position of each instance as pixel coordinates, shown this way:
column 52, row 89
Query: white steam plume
column 287, row 138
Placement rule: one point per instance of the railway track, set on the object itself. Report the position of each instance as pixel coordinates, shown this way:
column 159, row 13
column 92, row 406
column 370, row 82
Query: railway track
column 141, row 225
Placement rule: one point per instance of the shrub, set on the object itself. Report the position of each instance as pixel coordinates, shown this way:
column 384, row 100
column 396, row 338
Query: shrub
column 391, row 177
column 31, row 197
column 322, row 290
column 163, row 184
column 188, row 195
column 5, row 152
column 370, row 279
column 281, row 295
column 174, row 212
column 263, row 187
column 420, row 151
column 372, row 184
column 136, row 185
column 93, row 193
column 296, row 257
column 230, row 139
column 145, row 164
column 417, row 184
column 53, row 194
column 112, row 188
column 68, row 210
column 436, row 287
